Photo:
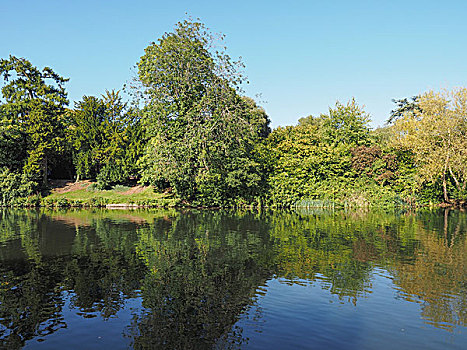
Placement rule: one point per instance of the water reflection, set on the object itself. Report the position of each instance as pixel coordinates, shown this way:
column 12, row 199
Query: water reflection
column 197, row 273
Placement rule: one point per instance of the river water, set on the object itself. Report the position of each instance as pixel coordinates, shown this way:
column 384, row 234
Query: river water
column 145, row 279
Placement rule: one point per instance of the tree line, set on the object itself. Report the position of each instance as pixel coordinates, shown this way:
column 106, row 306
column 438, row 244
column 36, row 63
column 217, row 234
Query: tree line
column 188, row 130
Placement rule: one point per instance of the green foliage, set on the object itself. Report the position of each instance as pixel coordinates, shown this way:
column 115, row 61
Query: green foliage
column 37, row 107
column 314, row 159
column 107, row 139
column 346, row 124
column 111, row 174
column 191, row 133
column 202, row 133
column 14, row 186
column 436, row 134
column 13, row 145
column 86, row 135
column 404, row 105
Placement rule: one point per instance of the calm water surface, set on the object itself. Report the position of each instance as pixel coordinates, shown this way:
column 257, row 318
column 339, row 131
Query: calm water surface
column 209, row 279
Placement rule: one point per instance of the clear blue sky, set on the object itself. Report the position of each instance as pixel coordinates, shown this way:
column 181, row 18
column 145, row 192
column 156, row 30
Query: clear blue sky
column 301, row 56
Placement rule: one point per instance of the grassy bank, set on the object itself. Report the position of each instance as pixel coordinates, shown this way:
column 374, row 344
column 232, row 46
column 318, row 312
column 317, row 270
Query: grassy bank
column 85, row 194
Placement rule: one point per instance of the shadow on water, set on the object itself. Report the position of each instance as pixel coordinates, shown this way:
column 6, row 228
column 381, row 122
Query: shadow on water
column 197, row 272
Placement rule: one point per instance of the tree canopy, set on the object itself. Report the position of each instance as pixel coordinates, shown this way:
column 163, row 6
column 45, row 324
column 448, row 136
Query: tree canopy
column 201, row 131
column 436, row 133
column 34, row 100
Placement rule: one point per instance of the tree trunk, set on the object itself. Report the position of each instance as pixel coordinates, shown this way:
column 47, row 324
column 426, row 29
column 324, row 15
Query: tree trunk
column 445, row 190
column 459, row 187
column 45, row 168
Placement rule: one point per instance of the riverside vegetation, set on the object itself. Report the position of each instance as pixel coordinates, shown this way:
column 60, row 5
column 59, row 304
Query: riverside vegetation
column 185, row 129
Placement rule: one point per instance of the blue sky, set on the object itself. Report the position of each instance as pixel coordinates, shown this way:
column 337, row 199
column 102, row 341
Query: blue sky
column 301, row 56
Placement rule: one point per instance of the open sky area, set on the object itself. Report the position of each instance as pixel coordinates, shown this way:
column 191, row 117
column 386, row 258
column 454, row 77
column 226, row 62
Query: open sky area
column 301, row 56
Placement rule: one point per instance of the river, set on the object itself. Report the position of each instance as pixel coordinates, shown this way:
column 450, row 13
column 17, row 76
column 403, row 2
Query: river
column 311, row 279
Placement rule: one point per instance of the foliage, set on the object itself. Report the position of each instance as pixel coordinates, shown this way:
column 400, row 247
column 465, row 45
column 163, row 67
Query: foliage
column 14, row 186
column 436, row 133
column 313, row 160
column 87, row 136
column 404, row 105
column 201, row 131
column 374, row 163
column 13, row 145
column 346, row 124
column 37, row 107
column 107, row 139
column 189, row 132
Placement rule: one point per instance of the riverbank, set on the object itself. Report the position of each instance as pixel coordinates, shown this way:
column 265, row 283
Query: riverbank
column 85, row 194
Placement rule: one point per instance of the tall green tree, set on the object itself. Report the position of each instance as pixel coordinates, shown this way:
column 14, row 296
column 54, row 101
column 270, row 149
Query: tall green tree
column 87, row 136
column 202, row 133
column 313, row 160
column 35, row 101
column 106, row 138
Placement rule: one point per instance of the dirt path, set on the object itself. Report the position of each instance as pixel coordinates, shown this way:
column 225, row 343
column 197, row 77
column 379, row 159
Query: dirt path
column 64, row 186
column 134, row 190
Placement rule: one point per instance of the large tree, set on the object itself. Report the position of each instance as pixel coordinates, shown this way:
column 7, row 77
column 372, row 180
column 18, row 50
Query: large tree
column 202, row 133
column 87, row 136
column 106, row 138
column 436, row 133
column 34, row 102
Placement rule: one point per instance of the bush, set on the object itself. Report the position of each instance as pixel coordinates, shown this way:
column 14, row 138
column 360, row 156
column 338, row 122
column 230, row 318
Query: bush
column 120, row 188
column 14, row 185
column 111, row 174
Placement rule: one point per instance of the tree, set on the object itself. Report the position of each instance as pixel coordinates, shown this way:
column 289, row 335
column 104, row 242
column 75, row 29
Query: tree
column 35, row 101
column 404, row 105
column 202, row 133
column 106, row 138
column 13, row 146
column 346, row 124
column 437, row 135
column 87, row 136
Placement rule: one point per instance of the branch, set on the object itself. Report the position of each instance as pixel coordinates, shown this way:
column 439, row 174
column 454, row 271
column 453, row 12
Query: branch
column 459, row 187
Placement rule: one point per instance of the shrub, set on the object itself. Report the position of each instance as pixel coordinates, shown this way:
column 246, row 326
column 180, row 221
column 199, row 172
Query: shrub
column 14, row 185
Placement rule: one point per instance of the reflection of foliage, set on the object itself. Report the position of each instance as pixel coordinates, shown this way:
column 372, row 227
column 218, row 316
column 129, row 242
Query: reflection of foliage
column 204, row 271
column 30, row 301
column 102, row 282
column 198, row 271
column 37, row 268
column 436, row 278
column 106, row 271
column 339, row 246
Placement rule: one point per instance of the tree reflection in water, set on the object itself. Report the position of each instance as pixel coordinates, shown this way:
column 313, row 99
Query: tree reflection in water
column 197, row 272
